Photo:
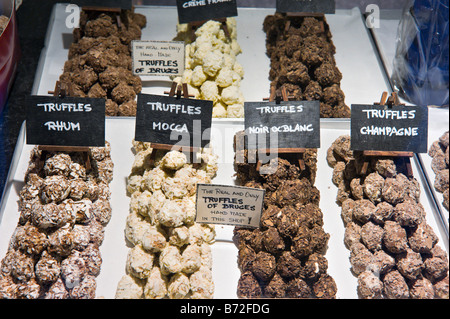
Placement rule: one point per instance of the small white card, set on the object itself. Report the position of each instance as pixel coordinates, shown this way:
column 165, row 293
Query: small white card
column 158, row 58
column 229, row 205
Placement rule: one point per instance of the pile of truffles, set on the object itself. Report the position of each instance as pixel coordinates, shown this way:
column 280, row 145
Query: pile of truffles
column 3, row 23
column 211, row 70
column 301, row 54
column 54, row 252
column 171, row 254
column 284, row 258
column 393, row 251
column 439, row 152
column 100, row 63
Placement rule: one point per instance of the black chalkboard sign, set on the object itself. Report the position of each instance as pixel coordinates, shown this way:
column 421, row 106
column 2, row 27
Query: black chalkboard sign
column 306, row 6
column 200, row 10
column 122, row 4
column 392, row 129
column 69, row 121
column 291, row 124
column 173, row 121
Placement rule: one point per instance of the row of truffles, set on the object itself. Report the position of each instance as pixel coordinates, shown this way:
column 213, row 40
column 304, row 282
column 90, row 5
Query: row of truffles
column 285, row 257
column 439, row 164
column 393, row 251
column 64, row 206
column 302, row 62
column 211, row 69
column 99, row 64
column 170, row 254
column 3, row 23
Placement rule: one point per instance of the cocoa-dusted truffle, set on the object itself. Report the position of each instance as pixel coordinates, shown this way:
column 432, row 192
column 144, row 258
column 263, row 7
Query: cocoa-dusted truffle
column 382, row 213
column 395, row 239
column 288, row 266
column 372, row 236
column 421, row 289
column 325, row 287
column 435, row 268
column 248, row 286
column 301, row 245
column 409, row 264
column 29, row 239
column 422, row 239
column 409, row 214
column 373, row 187
column 315, row 266
column 264, row 266
column 276, row 287
column 273, row 242
column 441, row 288
column 395, row 286
column 393, row 191
column 246, row 257
column 47, row 269
column 328, row 74
column 369, row 286
column 352, row 234
column 363, row 210
column 360, row 258
column 298, row 288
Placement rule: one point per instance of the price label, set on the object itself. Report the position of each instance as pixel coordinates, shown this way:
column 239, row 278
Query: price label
column 158, row 58
column 200, row 10
column 172, row 121
column 69, row 121
column 306, row 6
column 291, row 124
column 392, row 129
column 229, row 205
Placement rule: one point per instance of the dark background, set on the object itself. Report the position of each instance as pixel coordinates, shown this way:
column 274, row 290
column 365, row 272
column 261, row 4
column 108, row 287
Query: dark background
column 33, row 17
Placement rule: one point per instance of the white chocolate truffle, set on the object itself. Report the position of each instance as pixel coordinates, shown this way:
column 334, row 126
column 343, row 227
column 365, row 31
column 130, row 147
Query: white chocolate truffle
column 170, row 260
column 141, row 161
column 140, row 146
column 171, row 214
column 201, row 282
column 179, row 236
column 153, row 179
column 140, row 203
column 200, row 233
column 231, row 95
column 174, row 188
column 235, row 111
column 134, row 183
column 237, row 67
column 179, row 286
column 156, row 201
column 139, row 262
column 210, row 28
column 188, row 205
column 225, row 77
column 156, row 286
column 129, row 288
column 212, row 63
column 153, row 239
column 220, row 110
column 206, row 255
column 210, row 91
column 135, row 228
column 191, row 259
column 198, row 76
column 173, row 160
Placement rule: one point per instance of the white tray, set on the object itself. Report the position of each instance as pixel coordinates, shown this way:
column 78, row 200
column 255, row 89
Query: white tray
column 363, row 77
column 119, row 131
